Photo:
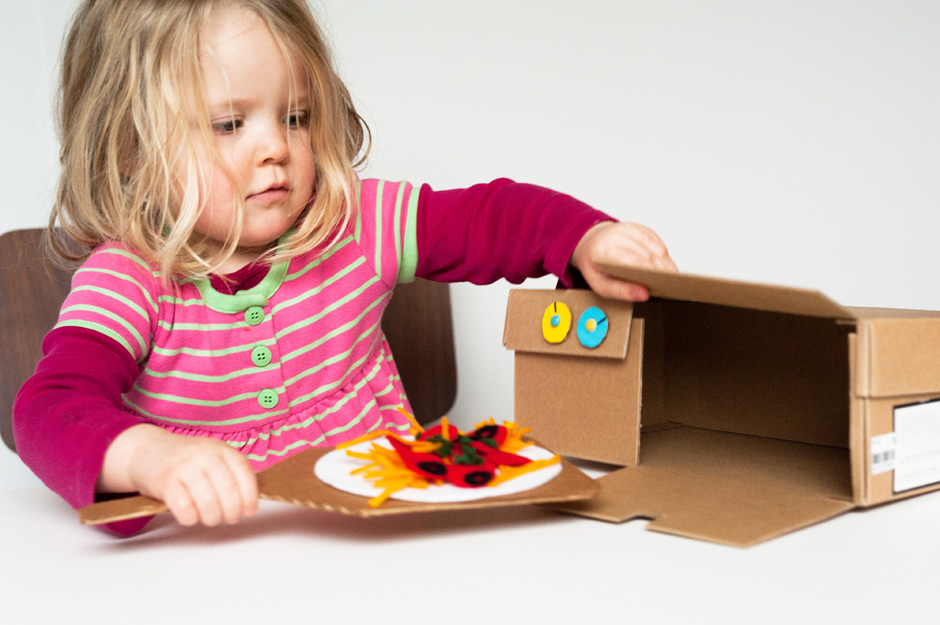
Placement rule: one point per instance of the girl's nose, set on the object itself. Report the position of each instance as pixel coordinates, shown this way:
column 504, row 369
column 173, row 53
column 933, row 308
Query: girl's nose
column 273, row 147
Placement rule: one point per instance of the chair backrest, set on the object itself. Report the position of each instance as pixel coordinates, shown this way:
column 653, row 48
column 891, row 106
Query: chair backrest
column 417, row 324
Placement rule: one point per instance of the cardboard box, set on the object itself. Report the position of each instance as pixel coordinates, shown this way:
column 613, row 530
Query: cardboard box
column 738, row 411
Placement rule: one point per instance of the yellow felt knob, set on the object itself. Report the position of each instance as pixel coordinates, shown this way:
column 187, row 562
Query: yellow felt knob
column 556, row 322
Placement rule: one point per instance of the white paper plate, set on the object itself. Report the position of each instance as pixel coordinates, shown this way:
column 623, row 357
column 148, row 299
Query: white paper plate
column 335, row 469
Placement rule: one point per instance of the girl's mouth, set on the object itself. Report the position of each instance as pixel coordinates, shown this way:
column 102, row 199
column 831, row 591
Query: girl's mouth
column 271, row 194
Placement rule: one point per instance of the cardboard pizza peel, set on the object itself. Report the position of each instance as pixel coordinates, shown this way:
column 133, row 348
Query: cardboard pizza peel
column 294, row 481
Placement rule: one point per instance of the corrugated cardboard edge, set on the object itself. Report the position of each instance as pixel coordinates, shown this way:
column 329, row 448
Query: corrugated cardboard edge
column 858, row 419
column 751, row 295
column 133, row 507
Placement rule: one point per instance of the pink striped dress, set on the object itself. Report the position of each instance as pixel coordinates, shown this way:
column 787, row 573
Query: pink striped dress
column 298, row 360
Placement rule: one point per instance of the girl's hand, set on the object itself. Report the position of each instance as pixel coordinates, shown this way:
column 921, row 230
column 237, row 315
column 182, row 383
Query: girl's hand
column 201, row 480
column 624, row 243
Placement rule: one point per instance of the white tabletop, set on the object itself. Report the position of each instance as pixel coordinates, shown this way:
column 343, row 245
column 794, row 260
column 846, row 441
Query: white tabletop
column 289, row 564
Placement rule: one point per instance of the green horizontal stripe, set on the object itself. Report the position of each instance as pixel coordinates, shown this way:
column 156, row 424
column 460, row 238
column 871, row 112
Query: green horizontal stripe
column 103, row 329
column 104, row 312
column 179, row 301
column 198, row 424
column 134, row 257
column 169, row 327
column 197, row 377
column 320, row 439
column 212, row 353
column 333, row 359
column 126, row 278
column 345, row 399
column 326, row 413
column 332, row 334
column 345, row 271
column 319, row 260
column 206, row 403
column 332, row 307
column 118, row 297
column 336, row 384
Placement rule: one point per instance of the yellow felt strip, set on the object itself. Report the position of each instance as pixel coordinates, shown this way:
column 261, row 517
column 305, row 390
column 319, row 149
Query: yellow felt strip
column 508, row 473
column 445, row 429
column 414, row 424
column 372, row 435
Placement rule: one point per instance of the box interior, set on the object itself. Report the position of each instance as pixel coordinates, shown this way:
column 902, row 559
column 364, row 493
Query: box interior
column 763, row 395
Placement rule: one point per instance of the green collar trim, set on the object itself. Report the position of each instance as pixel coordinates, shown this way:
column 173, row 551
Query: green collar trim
column 257, row 295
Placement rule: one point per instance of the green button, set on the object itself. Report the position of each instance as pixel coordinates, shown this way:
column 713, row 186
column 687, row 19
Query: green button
column 268, row 398
column 254, row 315
column 261, row 356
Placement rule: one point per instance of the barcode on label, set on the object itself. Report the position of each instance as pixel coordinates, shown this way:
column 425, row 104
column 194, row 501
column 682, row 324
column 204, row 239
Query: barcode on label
column 884, row 453
column 885, row 456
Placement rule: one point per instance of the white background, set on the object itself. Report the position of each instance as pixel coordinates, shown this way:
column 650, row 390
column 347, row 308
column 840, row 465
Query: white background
column 789, row 142
column 792, row 142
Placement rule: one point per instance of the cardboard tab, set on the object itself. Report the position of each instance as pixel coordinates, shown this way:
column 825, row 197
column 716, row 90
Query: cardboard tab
column 750, row 295
column 523, row 330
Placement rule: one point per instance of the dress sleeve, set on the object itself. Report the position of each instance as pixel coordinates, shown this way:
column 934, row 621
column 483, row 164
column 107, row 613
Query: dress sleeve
column 69, row 412
column 114, row 293
column 501, row 229
column 385, row 228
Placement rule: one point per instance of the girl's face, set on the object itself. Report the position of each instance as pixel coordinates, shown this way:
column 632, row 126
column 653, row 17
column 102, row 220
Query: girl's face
column 259, row 114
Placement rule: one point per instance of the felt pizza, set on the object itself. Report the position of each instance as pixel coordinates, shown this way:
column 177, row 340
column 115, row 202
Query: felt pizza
column 440, row 464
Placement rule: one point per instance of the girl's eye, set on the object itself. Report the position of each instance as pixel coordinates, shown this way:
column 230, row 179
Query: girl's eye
column 298, row 119
column 226, row 126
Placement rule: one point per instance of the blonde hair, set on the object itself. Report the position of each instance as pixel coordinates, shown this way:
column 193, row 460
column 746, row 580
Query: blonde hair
column 130, row 92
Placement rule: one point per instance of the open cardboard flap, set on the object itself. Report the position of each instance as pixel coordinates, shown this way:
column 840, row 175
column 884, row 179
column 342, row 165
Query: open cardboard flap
column 729, row 408
column 728, row 488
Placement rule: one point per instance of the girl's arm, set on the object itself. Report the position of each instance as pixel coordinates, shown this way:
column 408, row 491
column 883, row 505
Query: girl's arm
column 71, row 429
column 517, row 231
column 69, row 412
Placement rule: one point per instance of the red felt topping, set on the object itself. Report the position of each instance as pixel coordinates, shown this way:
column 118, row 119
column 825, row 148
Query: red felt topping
column 465, row 460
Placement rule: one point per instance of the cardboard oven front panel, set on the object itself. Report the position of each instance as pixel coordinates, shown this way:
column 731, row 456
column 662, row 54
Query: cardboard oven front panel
column 581, row 407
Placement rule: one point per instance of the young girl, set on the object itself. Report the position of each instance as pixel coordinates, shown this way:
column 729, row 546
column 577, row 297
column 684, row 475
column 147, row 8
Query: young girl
column 227, row 313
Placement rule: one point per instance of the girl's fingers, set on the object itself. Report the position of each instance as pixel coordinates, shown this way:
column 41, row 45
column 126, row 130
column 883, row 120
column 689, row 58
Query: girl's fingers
column 206, row 498
column 181, row 505
column 608, row 286
column 229, row 506
column 247, row 484
column 237, row 486
column 200, row 479
column 630, row 244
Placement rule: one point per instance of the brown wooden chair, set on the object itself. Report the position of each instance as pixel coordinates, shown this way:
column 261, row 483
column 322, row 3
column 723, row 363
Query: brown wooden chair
column 417, row 323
